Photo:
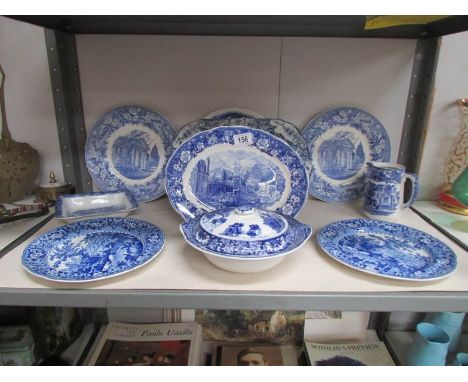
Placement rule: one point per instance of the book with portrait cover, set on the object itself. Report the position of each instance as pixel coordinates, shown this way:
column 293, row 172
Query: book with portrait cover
column 348, row 354
column 121, row 344
column 255, row 354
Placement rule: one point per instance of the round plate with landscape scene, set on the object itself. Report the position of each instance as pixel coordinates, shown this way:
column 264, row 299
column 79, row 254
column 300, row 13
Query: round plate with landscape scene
column 387, row 249
column 93, row 249
column 235, row 166
column 127, row 149
column 341, row 141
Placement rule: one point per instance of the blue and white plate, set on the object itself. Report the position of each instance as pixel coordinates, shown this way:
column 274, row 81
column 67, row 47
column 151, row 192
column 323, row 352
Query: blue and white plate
column 341, row 141
column 387, row 249
column 232, row 112
column 92, row 250
column 127, row 149
column 278, row 127
column 235, row 166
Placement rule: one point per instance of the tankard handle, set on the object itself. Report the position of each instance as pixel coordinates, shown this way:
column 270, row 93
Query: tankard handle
column 414, row 188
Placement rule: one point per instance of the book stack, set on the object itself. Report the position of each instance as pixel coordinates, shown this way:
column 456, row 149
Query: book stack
column 120, row 344
column 348, row 354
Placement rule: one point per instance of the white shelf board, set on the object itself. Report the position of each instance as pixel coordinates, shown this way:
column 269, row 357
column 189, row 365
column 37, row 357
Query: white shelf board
column 181, row 277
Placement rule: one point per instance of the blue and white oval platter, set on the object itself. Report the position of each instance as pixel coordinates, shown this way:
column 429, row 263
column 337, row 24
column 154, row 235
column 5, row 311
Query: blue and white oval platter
column 93, row 249
column 127, row 149
column 387, row 249
column 235, row 166
column 277, row 127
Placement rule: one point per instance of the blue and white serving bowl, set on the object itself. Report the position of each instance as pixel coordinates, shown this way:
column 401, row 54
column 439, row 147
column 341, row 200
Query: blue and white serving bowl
column 245, row 239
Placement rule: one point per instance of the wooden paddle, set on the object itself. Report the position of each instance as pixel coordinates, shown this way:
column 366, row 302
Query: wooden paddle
column 19, row 162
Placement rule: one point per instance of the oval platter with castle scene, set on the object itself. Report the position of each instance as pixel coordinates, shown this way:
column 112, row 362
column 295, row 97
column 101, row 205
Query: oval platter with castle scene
column 127, row 149
column 341, row 141
column 232, row 166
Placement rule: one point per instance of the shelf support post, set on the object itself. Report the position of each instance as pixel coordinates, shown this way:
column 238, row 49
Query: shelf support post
column 419, row 104
column 66, row 91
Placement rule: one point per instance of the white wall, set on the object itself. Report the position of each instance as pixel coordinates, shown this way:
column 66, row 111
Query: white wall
column 28, row 94
column 183, row 77
column 322, row 73
column 186, row 77
column 451, row 84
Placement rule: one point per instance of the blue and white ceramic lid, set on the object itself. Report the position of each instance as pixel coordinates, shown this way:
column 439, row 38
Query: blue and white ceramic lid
column 244, row 223
column 294, row 237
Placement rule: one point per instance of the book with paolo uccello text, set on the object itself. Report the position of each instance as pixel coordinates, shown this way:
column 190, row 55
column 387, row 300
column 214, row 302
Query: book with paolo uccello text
column 348, row 354
column 121, row 344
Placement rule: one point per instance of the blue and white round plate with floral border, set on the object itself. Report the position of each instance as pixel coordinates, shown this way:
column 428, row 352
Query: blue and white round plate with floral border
column 387, row 249
column 235, row 166
column 127, row 149
column 341, row 141
column 93, row 249
column 278, row 127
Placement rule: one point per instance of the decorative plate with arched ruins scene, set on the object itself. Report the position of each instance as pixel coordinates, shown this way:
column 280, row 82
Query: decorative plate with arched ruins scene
column 127, row 149
column 341, row 141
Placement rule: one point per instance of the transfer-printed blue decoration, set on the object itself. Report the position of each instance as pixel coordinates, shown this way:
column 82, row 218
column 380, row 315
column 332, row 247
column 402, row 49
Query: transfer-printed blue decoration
column 237, row 177
column 233, row 166
column 381, row 198
column 134, row 155
column 93, row 249
column 340, row 142
column 279, row 128
column 384, row 188
column 244, row 223
column 234, row 112
column 387, row 249
column 341, row 156
column 295, row 236
column 128, row 149
column 383, row 172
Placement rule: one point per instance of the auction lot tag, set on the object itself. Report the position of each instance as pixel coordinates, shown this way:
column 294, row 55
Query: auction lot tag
column 243, row 139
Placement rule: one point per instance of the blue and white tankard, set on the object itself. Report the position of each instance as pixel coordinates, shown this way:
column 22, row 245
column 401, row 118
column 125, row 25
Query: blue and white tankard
column 384, row 191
